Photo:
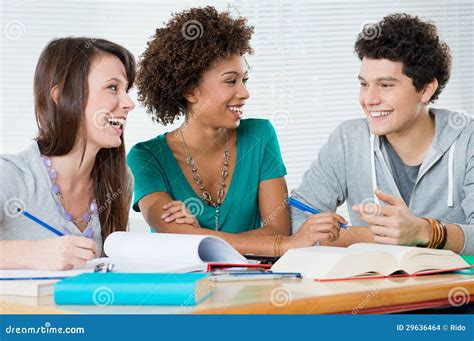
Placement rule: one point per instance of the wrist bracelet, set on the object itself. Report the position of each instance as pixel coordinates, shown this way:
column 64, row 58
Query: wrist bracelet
column 277, row 245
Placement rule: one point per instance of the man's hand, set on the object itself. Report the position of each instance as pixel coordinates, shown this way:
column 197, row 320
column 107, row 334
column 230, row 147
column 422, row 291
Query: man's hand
column 394, row 224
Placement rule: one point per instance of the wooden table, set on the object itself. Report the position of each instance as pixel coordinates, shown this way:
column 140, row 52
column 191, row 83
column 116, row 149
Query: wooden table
column 290, row 296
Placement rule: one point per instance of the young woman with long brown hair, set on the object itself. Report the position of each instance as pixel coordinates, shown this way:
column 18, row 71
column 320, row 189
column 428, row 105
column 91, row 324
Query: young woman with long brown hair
column 74, row 176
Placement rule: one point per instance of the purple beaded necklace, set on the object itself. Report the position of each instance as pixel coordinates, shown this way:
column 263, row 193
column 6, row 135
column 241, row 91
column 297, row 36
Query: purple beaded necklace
column 86, row 217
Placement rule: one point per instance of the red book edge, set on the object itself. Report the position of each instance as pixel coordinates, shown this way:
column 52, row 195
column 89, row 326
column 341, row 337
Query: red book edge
column 211, row 266
column 423, row 273
column 398, row 308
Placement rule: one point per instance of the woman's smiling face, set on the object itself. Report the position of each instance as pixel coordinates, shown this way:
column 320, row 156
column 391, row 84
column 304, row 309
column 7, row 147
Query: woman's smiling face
column 108, row 102
column 219, row 98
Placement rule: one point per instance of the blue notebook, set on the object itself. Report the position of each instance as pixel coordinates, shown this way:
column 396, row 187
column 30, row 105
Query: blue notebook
column 133, row 289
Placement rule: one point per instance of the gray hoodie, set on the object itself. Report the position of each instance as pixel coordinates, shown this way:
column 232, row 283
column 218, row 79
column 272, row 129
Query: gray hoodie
column 354, row 162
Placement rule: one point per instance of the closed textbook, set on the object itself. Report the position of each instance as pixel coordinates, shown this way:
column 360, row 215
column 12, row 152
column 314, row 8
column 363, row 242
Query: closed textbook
column 32, row 283
column 133, row 289
column 28, row 288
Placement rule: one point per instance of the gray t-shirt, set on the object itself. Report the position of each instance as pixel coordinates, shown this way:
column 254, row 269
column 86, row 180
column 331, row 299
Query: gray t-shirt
column 24, row 181
column 405, row 176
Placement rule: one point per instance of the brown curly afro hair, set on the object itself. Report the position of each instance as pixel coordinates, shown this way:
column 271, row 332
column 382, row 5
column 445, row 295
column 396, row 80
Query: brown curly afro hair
column 404, row 38
column 177, row 55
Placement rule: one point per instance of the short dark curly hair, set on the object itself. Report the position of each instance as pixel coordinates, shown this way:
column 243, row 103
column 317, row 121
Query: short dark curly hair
column 177, row 55
column 404, row 38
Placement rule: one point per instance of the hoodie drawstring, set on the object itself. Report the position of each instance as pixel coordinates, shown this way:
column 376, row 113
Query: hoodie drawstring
column 372, row 168
column 451, row 175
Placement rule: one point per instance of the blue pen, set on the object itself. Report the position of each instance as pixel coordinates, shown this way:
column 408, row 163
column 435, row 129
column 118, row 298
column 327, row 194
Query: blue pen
column 283, row 274
column 254, row 277
column 305, row 208
column 31, row 278
column 41, row 223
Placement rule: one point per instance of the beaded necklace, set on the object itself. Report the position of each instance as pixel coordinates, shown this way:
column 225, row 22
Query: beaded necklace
column 86, row 216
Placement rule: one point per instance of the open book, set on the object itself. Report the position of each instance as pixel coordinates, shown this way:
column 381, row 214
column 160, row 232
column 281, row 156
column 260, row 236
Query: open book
column 166, row 252
column 133, row 252
column 367, row 261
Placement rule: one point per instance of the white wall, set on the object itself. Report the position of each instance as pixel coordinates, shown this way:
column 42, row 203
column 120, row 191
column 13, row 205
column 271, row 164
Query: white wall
column 303, row 73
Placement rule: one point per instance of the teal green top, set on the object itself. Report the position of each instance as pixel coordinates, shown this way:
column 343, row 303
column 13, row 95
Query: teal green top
column 155, row 169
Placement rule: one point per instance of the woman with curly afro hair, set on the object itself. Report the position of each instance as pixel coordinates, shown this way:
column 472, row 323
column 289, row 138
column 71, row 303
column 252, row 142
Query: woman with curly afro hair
column 218, row 174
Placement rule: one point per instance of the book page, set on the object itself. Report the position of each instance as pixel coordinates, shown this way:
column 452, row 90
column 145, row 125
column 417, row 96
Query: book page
column 158, row 247
column 417, row 259
column 170, row 248
column 10, row 274
column 133, row 266
column 398, row 251
column 322, row 262
column 212, row 250
column 311, row 262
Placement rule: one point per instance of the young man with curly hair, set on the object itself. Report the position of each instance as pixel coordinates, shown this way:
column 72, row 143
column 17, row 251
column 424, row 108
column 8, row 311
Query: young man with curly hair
column 407, row 170
column 217, row 174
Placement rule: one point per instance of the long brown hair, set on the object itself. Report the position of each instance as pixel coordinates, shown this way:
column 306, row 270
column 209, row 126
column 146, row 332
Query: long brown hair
column 65, row 63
